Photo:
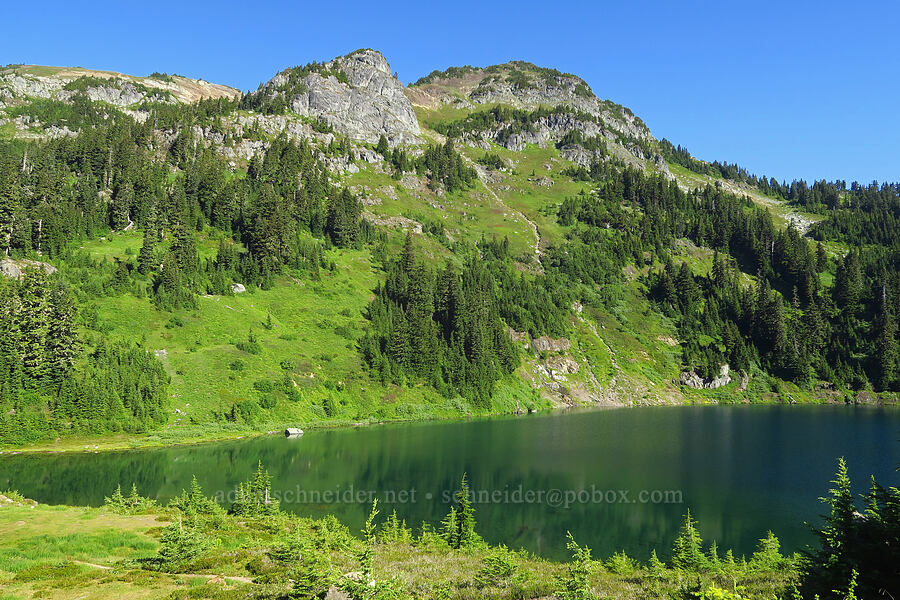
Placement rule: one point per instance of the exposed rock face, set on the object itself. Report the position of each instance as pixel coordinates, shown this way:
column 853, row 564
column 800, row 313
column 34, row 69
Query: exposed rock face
column 723, row 379
column 15, row 269
column 25, row 83
column 547, row 344
column 106, row 86
column 370, row 104
column 692, row 380
column 526, row 86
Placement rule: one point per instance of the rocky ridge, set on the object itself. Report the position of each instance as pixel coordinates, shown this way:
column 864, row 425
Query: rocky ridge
column 123, row 91
column 357, row 94
column 529, row 87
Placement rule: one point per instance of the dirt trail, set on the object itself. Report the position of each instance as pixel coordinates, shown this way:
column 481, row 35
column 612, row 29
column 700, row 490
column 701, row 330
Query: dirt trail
column 612, row 355
column 209, row 576
column 498, row 200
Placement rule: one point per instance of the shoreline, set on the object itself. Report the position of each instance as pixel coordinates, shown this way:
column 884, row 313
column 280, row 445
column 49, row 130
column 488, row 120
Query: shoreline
column 220, row 432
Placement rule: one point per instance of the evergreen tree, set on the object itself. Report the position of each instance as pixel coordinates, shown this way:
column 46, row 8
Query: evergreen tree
column 687, row 553
column 382, row 148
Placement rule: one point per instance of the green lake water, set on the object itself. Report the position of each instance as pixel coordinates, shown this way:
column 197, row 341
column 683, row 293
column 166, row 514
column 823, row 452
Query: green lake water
column 617, row 479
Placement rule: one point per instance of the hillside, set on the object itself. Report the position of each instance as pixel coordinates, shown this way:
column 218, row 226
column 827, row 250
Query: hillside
column 338, row 248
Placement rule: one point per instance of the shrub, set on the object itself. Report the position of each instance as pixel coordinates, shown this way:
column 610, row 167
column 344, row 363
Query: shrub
column 767, row 555
column 180, row 543
column 575, row 583
column 251, row 346
column 194, row 502
column 621, row 564
column 459, row 525
column 128, row 505
column 254, row 497
column 498, row 570
column 263, row 385
column 686, row 552
column 395, row 530
column 491, row 160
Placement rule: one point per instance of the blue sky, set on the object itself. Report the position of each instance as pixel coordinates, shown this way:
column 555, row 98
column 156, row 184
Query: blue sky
column 789, row 89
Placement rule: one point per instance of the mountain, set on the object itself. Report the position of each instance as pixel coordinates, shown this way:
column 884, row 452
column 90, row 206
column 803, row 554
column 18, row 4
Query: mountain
column 357, row 94
column 23, row 84
column 336, row 247
column 528, row 87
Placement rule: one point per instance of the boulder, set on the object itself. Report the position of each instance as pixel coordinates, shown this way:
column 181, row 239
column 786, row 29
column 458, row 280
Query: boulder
column 238, row 288
column 691, row 380
column 548, row 344
column 15, row 269
column 723, row 379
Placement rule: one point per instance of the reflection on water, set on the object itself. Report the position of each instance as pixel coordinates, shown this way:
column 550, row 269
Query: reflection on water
column 741, row 471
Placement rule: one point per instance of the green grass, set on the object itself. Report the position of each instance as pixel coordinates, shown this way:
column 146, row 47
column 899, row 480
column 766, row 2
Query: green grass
column 64, row 552
column 782, row 212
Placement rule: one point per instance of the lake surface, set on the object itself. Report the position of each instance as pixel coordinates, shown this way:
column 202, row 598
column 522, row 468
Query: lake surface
column 617, row 478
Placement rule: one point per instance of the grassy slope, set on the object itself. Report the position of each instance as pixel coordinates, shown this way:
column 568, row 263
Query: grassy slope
column 627, row 355
column 98, row 561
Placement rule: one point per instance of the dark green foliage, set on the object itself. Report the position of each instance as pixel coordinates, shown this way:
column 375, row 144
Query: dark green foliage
column 444, row 329
column 193, row 502
column 575, row 137
column 180, row 543
column 491, row 160
column 254, row 496
column 856, row 550
column 446, row 168
column 162, row 76
column 451, row 73
column 787, row 324
column 508, row 120
column 575, row 583
column 132, row 504
column 681, row 156
column 251, row 346
column 459, row 525
column 344, row 219
column 500, row 569
column 46, row 391
column 583, row 91
column 382, row 148
column 687, row 552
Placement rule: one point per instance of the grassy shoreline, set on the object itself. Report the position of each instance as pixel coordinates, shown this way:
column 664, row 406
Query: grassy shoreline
column 223, row 432
column 119, row 552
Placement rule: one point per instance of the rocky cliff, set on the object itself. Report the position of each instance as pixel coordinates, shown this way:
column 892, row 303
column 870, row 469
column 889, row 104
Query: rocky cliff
column 357, row 94
column 22, row 82
column 526, row 86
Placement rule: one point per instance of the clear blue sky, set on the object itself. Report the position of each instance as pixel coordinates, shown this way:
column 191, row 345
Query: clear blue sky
column 788, row 88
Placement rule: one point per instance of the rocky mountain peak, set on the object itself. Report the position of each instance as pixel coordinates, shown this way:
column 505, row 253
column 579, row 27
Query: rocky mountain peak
column 357, row 94
column 360, row 62
column 528, row 87
column 22, row 82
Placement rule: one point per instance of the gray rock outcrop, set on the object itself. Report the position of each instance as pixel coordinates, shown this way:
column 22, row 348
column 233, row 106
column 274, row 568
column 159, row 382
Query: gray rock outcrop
column 15, row 269
column 369, row 104
column 692, row 380
column 528, row 87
